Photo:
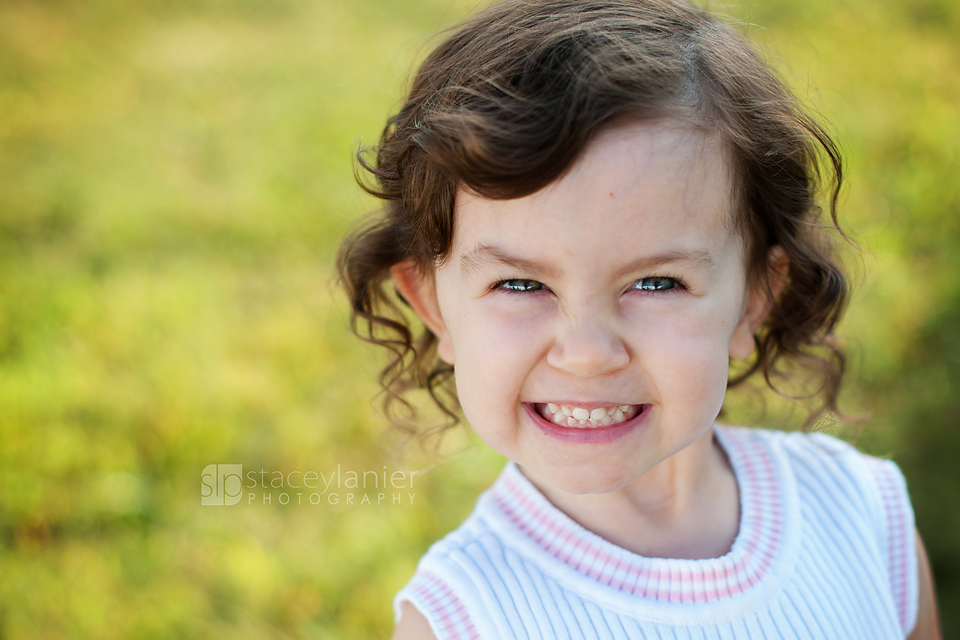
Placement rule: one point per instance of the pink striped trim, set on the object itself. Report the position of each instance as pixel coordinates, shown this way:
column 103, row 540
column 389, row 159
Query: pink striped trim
column 446, row 609
column 685, row 581
column 899, row 532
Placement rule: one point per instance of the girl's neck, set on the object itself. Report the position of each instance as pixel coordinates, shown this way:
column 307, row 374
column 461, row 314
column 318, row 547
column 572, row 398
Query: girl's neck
column 685, row 507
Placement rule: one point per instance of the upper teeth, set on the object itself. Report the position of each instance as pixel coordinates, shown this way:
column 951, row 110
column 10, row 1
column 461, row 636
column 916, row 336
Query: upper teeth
column 572, row 416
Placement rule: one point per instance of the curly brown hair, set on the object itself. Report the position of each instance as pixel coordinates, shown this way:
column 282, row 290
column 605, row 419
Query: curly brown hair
column 507, row 103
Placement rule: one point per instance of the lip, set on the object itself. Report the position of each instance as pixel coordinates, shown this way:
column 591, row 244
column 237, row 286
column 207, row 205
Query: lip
column 587, row 436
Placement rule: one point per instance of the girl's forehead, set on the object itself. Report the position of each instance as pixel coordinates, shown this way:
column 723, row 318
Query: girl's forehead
column 641, row 183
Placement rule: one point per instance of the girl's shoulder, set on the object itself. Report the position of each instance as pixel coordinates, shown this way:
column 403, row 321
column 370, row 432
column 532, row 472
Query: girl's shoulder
column 441, row 589
column 852, row 493
column 831, row 455
column 819, row 463
column 800, row 446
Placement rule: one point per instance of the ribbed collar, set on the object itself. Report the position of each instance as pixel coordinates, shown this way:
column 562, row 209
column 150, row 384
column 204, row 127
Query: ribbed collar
column 517, row 508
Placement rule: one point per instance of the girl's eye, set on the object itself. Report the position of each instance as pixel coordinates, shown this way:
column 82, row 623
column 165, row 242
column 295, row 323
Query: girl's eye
column 654, row 284
column 518, row 286
column 657, row 283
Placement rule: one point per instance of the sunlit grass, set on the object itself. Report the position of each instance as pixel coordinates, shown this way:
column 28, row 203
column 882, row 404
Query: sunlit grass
column 174, row 181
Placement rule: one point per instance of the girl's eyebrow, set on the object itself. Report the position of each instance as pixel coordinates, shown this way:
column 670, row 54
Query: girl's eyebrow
column 484, row 253
column 699, row 259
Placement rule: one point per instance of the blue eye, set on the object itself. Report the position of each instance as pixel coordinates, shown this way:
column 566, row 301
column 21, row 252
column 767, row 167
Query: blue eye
column 657, row 283
column 518, row 286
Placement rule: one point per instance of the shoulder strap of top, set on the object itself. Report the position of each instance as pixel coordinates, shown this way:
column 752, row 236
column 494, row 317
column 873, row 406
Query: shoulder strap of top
column 893, row 518
column 439, row 604
column 899, row 539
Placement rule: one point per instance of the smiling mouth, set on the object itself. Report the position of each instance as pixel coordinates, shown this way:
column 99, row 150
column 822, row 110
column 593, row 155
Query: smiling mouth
column 572, row 416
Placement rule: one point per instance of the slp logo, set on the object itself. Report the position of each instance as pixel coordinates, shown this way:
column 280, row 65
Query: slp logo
column 221, row 484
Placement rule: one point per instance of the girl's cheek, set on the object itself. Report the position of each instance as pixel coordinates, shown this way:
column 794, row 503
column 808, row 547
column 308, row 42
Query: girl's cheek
column 513, row 320
column 691, row 346
column 514, row 307
column 496, row 334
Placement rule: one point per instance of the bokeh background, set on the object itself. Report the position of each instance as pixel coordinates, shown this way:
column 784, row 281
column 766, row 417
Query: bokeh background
column 175, row 176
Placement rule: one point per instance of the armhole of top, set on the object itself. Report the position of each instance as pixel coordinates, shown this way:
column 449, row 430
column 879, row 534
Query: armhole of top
column 898, row 540
column 436, row 600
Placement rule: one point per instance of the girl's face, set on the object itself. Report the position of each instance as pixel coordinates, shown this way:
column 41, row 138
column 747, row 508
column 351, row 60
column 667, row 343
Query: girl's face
column 622, row 285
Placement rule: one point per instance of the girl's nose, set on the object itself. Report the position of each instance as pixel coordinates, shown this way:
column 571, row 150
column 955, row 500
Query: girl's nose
column 588, row 350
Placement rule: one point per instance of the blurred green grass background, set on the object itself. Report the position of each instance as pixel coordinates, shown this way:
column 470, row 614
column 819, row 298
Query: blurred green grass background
column 174, row 180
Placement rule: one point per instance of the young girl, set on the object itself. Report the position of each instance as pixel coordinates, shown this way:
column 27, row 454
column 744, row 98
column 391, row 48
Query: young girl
column 600, row 210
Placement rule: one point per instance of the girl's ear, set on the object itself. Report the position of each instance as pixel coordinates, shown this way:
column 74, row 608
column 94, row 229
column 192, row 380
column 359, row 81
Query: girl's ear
column 420, row 292
column 760, row 301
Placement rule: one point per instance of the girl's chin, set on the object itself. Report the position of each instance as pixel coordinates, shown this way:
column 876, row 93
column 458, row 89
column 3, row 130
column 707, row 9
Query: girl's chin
column 577, row 479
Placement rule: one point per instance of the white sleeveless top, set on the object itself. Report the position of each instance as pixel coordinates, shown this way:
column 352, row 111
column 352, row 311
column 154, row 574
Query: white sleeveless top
column 825, row 549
